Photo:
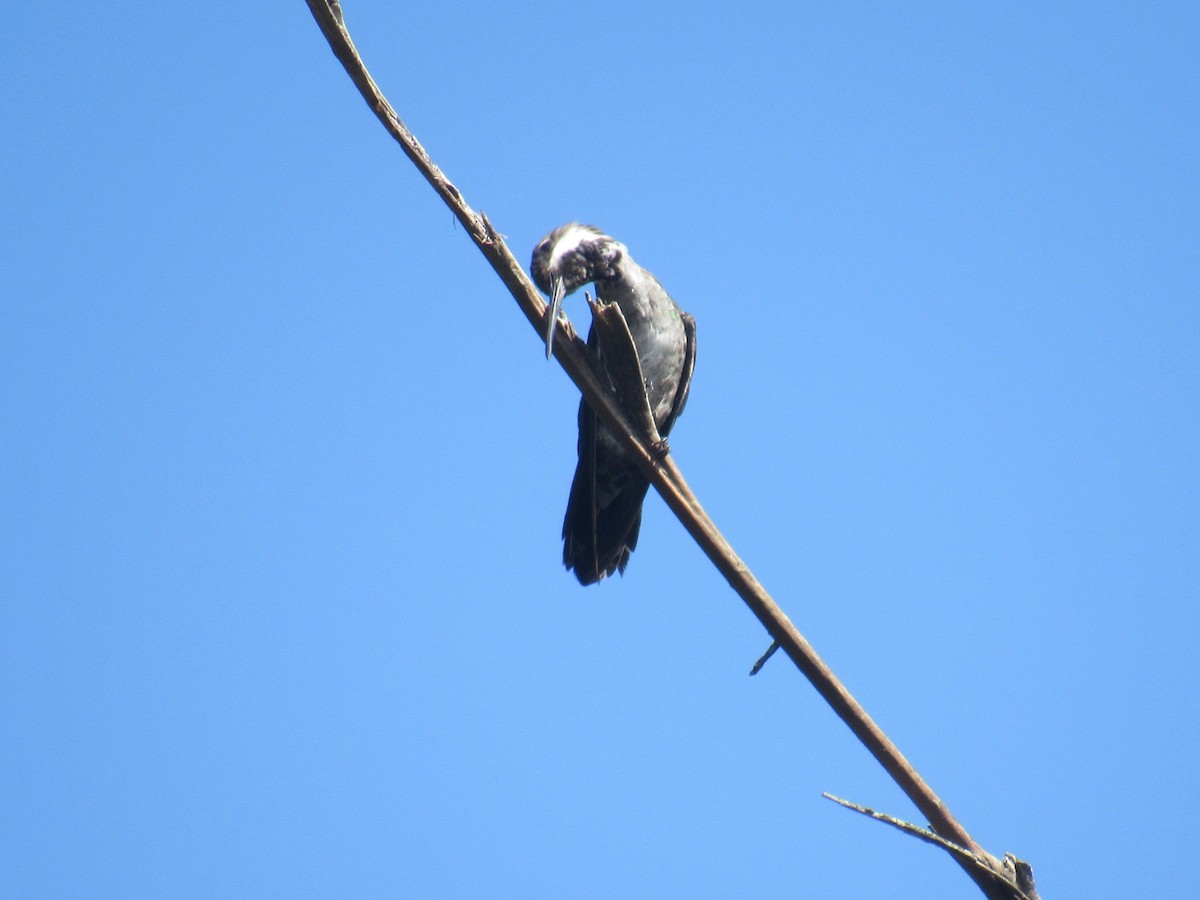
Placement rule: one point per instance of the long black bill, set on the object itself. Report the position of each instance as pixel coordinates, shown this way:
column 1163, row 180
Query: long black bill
column 556, row 298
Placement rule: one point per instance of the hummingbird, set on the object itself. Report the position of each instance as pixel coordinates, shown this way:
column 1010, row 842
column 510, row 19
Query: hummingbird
column 604, row 510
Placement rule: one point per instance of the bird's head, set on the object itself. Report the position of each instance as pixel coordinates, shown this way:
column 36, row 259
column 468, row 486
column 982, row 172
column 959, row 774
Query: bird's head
column 568, row 258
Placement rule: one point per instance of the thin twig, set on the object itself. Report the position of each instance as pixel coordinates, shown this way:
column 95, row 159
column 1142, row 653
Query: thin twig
column 762, row 660
column 662, row 472
column 964, row 856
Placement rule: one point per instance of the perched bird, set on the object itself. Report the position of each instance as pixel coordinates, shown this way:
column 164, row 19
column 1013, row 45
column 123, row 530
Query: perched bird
column 604, row 512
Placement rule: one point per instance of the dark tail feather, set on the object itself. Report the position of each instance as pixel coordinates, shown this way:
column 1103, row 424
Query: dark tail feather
column 599, row 536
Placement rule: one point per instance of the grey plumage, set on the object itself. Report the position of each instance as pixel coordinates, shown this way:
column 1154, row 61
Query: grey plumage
column 604, row 511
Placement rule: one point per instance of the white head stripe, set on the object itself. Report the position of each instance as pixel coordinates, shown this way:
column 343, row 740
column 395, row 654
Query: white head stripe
column 568, row 242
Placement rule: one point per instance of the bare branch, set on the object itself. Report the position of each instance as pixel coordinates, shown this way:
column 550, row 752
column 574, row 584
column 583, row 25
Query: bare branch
column 1020, row 888
column 662, row 471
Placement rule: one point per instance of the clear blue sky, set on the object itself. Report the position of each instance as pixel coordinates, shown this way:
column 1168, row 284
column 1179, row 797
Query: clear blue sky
column 284, row 468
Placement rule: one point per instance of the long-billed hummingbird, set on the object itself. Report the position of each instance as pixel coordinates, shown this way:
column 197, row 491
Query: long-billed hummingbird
column 604, row 512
